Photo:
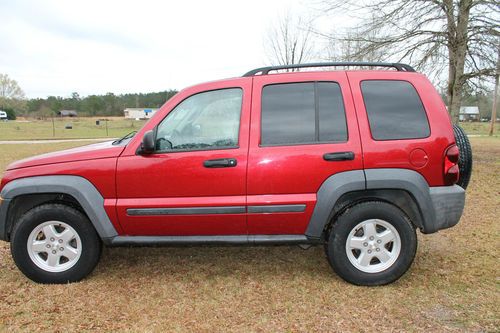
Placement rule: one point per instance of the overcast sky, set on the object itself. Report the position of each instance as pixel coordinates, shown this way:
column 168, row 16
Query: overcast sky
column 95, row 46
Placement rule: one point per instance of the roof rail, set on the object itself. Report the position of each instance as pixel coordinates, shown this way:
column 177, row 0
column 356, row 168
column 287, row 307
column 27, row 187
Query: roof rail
column 266, row 70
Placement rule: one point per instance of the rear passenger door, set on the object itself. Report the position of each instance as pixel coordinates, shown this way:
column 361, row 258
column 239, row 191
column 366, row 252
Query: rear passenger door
column 303, row 130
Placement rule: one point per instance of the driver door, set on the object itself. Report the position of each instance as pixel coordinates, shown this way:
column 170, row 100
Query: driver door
column 195, row 181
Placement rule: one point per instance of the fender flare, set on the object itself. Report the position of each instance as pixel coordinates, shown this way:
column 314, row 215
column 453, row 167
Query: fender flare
column 371, row 179
column 79, row 188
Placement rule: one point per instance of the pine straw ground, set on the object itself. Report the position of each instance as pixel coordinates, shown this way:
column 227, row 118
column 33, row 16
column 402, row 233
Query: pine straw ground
column 453, row 284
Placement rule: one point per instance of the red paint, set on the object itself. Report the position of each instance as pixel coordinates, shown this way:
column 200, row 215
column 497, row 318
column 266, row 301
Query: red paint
column 264, row 175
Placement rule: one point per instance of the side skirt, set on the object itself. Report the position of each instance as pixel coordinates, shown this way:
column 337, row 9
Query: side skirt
column 209, row 240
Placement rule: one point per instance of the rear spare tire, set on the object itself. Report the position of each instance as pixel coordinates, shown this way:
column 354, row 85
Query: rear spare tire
column 465, row 159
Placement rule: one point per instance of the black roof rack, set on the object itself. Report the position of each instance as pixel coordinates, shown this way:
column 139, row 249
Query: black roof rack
column 266, row 70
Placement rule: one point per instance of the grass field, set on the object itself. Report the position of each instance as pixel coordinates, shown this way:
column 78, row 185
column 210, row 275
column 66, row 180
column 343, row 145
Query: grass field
column 83, row 128
column 453, row 285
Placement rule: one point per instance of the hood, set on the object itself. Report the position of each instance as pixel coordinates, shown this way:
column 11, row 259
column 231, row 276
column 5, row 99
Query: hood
column 89, row 152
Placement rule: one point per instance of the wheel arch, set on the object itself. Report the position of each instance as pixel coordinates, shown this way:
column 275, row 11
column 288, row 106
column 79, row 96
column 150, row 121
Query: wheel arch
column 22, row 194
column 407, row 189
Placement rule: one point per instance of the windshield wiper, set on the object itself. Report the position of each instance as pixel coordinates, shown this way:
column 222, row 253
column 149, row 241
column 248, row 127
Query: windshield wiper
column 127, row 136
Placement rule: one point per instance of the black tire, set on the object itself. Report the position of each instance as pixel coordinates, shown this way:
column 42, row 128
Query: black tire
column 465, row 160
column 91, row 245
column 337, row 252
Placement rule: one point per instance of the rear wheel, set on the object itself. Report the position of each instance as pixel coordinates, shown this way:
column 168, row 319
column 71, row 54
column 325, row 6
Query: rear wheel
column 465, row 157
column 54, row 243
column 372, row 243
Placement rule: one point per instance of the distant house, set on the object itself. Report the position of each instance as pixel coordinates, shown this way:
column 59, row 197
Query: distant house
column 68, row 113
column 469, row 113
column 3, row 115
column 139, row 113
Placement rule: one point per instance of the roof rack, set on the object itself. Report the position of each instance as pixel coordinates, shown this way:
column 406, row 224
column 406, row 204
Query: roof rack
column 266, row 70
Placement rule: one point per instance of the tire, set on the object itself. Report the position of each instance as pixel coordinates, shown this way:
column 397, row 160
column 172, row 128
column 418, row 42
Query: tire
column 465, row 159
column 58, row 229
column 396, row 256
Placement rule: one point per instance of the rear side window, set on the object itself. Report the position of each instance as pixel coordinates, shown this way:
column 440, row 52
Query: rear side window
column 302, row 113
column 394, row 110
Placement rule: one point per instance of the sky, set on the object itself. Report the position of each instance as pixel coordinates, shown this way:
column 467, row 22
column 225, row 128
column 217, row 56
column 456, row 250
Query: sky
column 94, row 46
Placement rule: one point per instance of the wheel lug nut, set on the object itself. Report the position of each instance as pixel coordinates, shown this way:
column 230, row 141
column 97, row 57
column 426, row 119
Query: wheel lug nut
column 61, row 249
column 54, row 252
column 369, row 251
column 60, row 241
column 52, row 239
column 378, row 249
column 365, row 244
column 372, row 238
column 379, row 241
column 48, row 246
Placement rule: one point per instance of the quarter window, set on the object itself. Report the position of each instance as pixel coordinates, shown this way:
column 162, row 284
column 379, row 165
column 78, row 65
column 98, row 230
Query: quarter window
column 205, row 121
column 301, row 113
column 394, row 110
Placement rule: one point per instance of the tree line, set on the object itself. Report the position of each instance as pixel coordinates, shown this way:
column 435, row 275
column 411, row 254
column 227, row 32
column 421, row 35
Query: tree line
column 14, row 102
column 96, row 105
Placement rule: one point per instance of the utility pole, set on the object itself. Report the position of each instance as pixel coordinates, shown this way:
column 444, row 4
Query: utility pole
column 495, row 98
column 53, row 127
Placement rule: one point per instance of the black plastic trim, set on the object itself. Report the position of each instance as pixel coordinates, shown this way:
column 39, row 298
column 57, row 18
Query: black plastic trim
column 210, row 240
column 186, row 211
column 277, row 208
column 265, row 70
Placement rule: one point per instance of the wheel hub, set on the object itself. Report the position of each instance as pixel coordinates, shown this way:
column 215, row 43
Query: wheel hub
column 54, row 246
column 373, row 246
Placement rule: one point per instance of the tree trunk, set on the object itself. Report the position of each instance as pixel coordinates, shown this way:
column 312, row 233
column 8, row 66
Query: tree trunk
column 495, row 98
column 457, row 48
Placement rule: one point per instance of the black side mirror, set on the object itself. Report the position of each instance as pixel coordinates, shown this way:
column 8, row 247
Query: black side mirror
column 148, row 143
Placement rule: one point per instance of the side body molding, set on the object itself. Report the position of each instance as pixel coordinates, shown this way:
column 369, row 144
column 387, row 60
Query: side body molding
column 79, row 188
column 328, row 194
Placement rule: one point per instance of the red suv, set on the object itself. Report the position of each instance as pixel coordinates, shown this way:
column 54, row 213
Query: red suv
column 356, row 160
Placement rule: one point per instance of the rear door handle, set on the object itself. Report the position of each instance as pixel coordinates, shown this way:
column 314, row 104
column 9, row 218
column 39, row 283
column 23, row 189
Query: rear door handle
column 220, row 163
column 342, row 156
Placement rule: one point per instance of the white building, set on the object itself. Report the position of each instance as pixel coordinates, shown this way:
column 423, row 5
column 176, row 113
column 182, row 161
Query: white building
column 3, row 115
column 139, row 113
column 469, row 113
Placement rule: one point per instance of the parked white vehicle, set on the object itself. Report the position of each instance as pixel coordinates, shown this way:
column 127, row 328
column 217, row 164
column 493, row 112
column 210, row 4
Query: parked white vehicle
column 3, row 115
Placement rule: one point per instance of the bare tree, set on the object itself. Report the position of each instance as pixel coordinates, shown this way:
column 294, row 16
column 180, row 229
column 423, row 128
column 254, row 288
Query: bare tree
column 289, row 41
column 9, row 88
column 11, row 95
column 459, row 37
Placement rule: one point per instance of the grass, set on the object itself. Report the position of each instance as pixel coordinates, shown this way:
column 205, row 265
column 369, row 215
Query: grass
column 453, row 285
column 477, row 128
column 83, row 128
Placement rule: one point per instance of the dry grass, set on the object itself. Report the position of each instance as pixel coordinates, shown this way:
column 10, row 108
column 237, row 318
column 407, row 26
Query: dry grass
column 452, row 286
column 83, row 128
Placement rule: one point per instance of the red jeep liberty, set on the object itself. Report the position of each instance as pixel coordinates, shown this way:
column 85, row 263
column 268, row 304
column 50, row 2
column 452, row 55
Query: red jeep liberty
column 355, row 160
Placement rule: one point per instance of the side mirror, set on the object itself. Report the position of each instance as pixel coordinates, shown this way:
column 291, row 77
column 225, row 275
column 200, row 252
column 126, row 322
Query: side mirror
column 148, row 143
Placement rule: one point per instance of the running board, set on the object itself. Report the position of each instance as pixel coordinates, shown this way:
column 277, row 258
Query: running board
column 209, row 240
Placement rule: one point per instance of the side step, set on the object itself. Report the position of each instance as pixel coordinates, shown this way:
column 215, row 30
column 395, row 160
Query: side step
column 209, row 240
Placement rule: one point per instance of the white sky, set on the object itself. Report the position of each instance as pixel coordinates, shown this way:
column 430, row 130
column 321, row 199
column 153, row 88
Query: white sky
column 96, row 46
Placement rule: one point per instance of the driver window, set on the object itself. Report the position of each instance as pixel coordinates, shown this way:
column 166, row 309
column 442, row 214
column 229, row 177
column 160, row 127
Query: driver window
column 208, row 120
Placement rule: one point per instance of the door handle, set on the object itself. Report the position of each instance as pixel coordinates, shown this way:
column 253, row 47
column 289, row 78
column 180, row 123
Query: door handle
column 342, row 156
column 220, row 163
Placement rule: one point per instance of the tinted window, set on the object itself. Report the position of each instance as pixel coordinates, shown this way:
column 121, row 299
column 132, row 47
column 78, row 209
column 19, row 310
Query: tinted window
column 207, row 120
column 296, row 113
column 394, row 110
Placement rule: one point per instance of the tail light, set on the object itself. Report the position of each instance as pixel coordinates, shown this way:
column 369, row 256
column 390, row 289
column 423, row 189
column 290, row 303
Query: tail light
column 451, row 171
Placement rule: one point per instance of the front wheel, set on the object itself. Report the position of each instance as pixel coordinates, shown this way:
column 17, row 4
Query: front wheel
column 372, row 243
column 54, row 243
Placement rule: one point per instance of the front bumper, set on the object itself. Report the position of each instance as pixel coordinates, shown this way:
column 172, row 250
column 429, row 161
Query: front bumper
column 4, row 205
column 448, row 203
